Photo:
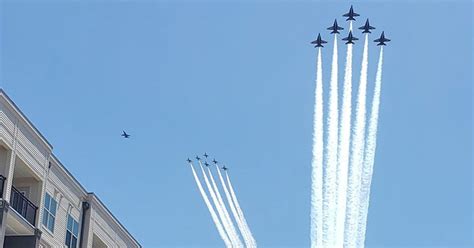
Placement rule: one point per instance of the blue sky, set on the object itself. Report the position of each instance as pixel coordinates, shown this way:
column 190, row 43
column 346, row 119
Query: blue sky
column 236, row 80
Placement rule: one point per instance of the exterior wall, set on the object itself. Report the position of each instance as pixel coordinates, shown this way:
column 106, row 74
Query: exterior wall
column 21, row 145
column 69, row 201
column 101, row 226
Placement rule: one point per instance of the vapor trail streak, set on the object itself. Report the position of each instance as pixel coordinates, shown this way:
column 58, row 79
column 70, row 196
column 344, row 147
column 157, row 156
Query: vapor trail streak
column 219, row 197
column 357, row 156
column 216, row 220
column 344, row 144
column 240, row 213
column 329, row 192
column 317, row 160
column 369, row 156
column 234, row 238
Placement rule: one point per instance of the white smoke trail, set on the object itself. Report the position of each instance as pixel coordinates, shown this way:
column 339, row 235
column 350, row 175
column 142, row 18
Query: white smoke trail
column 329, row 192
column 234, row 238
column 344, row 143
column 369, row 157
column 357, row 156
column 216, row 220
column 247, row 241
column 240, row 213
column 221, row 201
column 317, row 161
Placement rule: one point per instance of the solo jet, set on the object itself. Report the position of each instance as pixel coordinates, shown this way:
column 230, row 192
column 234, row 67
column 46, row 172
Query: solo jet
column 350, row 16
column 366, row 27
column 206, row 164
column 335, row 28
column 224, row 168
column 215, row 161
column 198, row 158
column 319, row 41
column 350, row 39
column 381, row 41
column 125, row 135
column 205, row 155
column 189, row 160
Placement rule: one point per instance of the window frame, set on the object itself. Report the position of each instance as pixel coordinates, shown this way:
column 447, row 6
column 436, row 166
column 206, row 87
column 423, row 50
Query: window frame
column 73, row 230
column 49, row 218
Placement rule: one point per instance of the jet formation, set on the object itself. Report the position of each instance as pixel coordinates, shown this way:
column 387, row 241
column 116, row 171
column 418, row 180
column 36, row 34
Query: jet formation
column 366, row 29
column 205, row 161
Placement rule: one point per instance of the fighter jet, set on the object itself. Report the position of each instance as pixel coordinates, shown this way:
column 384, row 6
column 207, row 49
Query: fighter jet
column 198, row 158
column 189, row 160
column 206, row 164
column 125, row 135
column 366, row 27
column 350, row 16
column 319, row 41
column 335, row 28
column 224, row 168
column 350, row 38
column 381, row 41
column 215, row 161
column 205, row 155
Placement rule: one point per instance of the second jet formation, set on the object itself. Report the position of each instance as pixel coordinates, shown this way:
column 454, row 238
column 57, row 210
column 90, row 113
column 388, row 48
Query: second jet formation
column 205, row 162
column 350, row 37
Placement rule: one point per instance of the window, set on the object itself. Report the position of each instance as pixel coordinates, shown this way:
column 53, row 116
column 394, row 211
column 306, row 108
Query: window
column 72, row 232
column 49, row 212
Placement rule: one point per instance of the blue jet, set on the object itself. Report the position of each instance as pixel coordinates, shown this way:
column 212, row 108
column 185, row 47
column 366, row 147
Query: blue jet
column 381, row 41
column 350, row 39
column 367, row 27
column 125, row 135
column 350, row 16
column 335, row 28
column 318, row 41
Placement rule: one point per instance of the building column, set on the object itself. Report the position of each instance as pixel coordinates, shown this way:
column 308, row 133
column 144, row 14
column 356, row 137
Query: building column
column 37, row 237
column 3, row 219
column 10, row 170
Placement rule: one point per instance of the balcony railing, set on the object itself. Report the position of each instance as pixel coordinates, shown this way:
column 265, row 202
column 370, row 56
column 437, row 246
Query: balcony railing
column 2, row 182
column 23, row 206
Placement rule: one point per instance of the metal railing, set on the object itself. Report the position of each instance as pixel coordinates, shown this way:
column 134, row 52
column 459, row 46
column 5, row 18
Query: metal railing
column 23, row 206
column 2, row 182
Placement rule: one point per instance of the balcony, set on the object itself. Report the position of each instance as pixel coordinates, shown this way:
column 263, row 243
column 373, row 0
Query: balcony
column 23, row 206
column 2, row 183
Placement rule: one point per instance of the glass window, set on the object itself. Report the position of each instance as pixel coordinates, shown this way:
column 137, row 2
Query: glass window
column 49, row 212
column 72, row 232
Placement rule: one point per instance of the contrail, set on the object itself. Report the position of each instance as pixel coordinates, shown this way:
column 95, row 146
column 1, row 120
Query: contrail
column 221, row 201
column 357, row 156
column 317, row 161
column 240, row 213
column 247, row 241
column 369, row 156
column 343, row 147
column 218, row 224
column 220, row 209
column 329, row 192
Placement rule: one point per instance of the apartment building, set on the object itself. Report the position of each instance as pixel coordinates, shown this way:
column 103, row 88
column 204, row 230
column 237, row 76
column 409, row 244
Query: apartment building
column 41, row 203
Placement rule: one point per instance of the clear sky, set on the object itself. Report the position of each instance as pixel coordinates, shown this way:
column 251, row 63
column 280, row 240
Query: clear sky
column 236, row 80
